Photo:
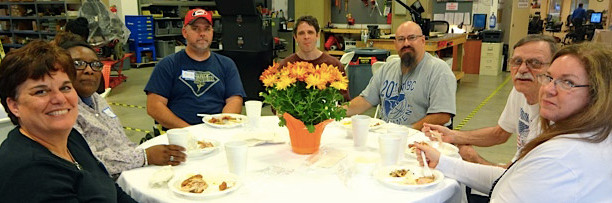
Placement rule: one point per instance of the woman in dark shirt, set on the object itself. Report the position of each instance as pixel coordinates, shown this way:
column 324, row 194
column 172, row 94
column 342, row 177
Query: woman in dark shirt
column 43, row 158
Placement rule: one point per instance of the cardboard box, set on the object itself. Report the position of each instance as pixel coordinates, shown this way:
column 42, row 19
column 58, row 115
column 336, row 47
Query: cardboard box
column 25, row 25
column 18, row 10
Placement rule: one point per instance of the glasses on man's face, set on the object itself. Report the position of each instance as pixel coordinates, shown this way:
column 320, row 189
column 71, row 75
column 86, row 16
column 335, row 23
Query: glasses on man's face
column 545, row 79
column 533, row 64
column 94, row 65
column 410, row 38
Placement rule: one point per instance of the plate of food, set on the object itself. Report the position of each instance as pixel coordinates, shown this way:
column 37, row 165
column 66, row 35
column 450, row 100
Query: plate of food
column 225, row 120
column 374, row 123
column 204, row 184
column 198, row 148
column 406, row 177
column 444, row 148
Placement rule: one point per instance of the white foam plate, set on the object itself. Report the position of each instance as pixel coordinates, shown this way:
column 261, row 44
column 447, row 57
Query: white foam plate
column 382, row 175
column 238, row 120
column 213, row 179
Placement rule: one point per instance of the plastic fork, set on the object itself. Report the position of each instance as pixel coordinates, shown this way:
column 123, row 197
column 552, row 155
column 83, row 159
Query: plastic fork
column 438, row 137
column 426, row 171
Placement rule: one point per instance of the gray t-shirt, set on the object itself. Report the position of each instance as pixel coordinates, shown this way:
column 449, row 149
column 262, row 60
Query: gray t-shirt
column 429, row 88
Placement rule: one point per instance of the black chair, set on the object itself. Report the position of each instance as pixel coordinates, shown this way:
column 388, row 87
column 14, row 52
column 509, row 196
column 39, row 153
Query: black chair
column 439, row 26
column 536, row 25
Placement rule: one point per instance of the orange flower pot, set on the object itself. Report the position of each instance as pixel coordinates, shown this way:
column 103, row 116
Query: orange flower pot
column 302, row 141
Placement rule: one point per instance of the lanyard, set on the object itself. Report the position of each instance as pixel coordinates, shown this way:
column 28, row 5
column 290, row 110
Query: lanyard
column 502, row 175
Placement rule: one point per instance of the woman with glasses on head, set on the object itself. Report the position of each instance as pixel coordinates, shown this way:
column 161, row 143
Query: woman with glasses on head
column 97, row 122
column 43, row 158
column 569, row 160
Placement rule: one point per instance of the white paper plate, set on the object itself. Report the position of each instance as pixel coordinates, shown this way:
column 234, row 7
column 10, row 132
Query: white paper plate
column 201, row 152
column 213, row 179
column 444, row 148
column 239, row 120
column 382, row 175
column 375, row 123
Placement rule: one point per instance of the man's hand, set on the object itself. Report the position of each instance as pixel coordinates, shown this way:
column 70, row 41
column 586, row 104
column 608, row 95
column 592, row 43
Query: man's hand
column 166, row 155
column 448, row 135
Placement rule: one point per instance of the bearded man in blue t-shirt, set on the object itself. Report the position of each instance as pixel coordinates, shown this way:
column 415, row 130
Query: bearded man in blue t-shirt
column 194, row 80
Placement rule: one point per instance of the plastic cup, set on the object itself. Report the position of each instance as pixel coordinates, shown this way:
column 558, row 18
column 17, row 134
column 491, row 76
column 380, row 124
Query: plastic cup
column 361, row 128
column 389, row 146
column 178, row 136
column 253, row 110
column 236, row 152
column 402, row 132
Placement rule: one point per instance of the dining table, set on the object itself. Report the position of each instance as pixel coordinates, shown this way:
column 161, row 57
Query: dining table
column 274, row 173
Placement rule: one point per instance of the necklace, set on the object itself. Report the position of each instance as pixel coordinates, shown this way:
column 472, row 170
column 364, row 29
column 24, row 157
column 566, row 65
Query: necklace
column 78, row 166
column 76, row 163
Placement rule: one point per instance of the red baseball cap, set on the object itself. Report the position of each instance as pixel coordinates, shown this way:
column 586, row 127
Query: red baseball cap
column 194, row 14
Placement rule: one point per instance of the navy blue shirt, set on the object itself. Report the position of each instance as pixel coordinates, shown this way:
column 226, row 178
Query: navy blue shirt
column 579, row 13
column 193, row 87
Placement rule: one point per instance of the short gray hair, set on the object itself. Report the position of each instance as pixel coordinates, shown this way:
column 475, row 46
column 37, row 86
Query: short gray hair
column 552, row 43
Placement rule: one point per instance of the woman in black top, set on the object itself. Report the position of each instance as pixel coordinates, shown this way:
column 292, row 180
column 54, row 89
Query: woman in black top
column 43, row 158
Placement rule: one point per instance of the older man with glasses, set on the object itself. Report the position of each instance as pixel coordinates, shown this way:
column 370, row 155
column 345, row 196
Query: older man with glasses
column 415, row 89
column 530, row 59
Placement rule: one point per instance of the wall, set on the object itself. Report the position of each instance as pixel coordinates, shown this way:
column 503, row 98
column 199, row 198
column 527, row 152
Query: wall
column 362, row 14
column 124, row 7
column 599, row 6
column 464, row 7
column 515, row 23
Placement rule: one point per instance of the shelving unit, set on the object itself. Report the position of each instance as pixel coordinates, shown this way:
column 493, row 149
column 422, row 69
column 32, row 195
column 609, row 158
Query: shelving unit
column 22, row 22
column 168, row 16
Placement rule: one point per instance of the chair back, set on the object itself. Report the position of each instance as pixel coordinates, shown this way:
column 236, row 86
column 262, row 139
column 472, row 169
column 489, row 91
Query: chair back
column 391, row 57
column 376, row 66
column 439, row 26
column 346, row 58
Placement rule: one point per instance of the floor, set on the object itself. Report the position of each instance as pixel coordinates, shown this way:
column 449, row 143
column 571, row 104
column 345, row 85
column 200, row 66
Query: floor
column 128, row 101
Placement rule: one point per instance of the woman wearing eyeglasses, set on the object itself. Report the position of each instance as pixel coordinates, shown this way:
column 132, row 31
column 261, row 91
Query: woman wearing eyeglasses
column 99, row 125
column 43, row 159
column 569, row 161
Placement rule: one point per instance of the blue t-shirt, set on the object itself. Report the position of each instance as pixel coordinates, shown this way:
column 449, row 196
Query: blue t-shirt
column 193, row 87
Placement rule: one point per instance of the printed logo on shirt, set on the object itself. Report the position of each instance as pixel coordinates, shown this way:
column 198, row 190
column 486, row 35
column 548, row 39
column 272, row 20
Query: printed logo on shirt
column 109, row 112
column 395, row 105
column 523, row 128
column 201, row 83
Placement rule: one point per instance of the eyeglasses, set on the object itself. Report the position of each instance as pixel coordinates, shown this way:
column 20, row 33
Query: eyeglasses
column 410, row 38
column 545, row 79
column 94, row 65
column 530, row 63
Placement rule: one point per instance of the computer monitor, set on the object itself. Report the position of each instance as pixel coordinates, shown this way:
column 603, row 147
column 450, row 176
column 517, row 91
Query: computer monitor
column 480, row 21
column 596, row 17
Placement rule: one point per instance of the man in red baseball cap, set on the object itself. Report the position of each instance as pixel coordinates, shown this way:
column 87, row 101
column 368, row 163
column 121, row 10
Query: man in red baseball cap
column 194, row 14
column 194, row 80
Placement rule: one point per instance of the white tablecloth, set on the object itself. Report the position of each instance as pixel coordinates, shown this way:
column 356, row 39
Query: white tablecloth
column 276, row 174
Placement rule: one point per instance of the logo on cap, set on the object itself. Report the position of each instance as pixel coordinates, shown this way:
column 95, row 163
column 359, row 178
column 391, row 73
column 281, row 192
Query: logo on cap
column 194, row 14
column 199, row 12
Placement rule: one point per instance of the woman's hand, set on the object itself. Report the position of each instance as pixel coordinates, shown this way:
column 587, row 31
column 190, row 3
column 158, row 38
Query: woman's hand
column 448, row 135
column 166, row 155
column 432, row 155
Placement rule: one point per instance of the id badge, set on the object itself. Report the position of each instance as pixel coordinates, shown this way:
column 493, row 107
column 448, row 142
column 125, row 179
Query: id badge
column 188, row 75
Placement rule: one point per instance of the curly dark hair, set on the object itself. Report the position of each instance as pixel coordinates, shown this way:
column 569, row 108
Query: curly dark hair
column 312, row 21
column 33, row 61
